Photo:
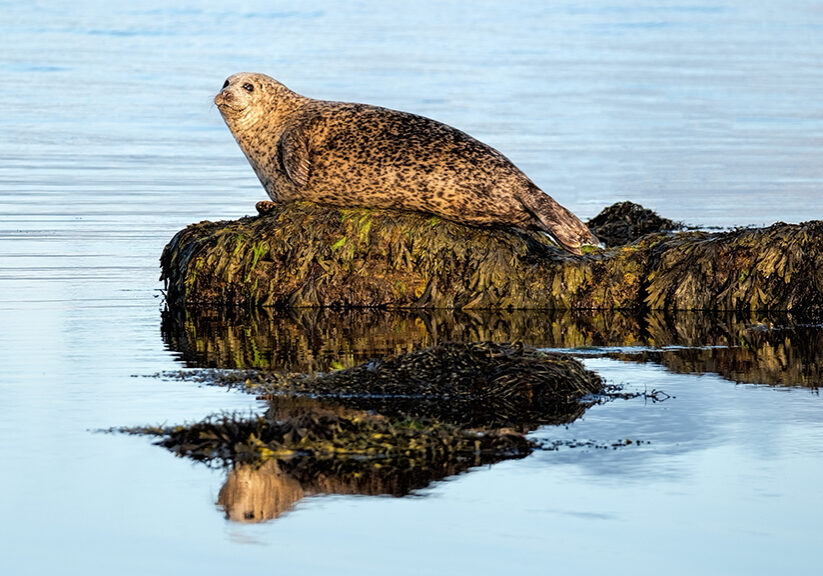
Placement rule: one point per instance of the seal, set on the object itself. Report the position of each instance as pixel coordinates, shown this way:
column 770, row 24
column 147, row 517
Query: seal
column 358, row 155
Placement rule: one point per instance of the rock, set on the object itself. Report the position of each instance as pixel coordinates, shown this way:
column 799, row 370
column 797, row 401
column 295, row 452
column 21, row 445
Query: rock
column 627, row 222
column 304, row 255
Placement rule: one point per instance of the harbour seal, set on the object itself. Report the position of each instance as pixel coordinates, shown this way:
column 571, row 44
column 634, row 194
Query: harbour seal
column 347, row 154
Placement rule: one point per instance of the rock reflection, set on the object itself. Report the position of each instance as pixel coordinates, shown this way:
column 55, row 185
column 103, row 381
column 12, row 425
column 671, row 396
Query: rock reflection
column 336, row 424
column 763, row 349
column 315, row 339
column 785, row 354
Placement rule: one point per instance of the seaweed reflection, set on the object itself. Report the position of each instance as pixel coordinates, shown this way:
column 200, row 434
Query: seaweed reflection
column 388, row 427
column 383, row 403
column 260, row 490
column 782, row 355
column 321, row 339
column 763, row 349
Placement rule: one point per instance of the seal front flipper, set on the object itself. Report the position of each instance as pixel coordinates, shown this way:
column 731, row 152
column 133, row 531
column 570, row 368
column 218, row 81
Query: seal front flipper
column 293, row 153
column 265, row 207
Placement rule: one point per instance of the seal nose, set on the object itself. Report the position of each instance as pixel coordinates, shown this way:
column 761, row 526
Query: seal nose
column 222, row 98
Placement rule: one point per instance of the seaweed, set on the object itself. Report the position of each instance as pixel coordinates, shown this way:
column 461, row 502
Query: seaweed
column 303, row 446
column 480, row 384
column 775, row 268
column 626, row 222
column 304, row 255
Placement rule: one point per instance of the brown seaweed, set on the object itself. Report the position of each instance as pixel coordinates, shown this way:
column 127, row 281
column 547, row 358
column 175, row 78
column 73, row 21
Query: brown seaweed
column 304, row 255
column 626, row 222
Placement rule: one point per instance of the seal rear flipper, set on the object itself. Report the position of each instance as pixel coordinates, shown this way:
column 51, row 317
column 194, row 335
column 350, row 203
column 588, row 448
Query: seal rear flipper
column 566, row 228
column 293, row 153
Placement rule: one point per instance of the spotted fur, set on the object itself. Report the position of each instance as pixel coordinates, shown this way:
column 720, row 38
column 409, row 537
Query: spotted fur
column 347, row 154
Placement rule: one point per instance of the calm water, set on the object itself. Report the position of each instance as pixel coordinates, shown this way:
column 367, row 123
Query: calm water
column 709, row 112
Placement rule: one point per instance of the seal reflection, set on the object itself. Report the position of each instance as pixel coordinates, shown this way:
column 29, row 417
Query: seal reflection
column 259, row 491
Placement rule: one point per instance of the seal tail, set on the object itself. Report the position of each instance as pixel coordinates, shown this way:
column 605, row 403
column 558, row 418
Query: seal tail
column 566, row 228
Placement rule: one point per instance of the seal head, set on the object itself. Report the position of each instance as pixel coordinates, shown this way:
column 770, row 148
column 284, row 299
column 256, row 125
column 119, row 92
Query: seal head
column 347, row 154
column 249, row 99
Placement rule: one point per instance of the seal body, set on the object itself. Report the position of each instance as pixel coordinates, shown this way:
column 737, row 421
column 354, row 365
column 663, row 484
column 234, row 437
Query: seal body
column 347, row 154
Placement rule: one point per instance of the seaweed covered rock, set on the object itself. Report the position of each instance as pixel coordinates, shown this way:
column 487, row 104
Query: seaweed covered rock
column 304, row 255
column 775, row 268
column 470, row 384
column 627, row 222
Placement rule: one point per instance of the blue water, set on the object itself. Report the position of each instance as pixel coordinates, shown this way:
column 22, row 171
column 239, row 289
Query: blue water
column 709, row 112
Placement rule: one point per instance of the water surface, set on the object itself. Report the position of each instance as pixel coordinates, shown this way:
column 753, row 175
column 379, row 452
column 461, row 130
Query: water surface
column 708, row 112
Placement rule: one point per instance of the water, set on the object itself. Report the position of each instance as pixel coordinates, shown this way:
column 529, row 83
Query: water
column 708, row 112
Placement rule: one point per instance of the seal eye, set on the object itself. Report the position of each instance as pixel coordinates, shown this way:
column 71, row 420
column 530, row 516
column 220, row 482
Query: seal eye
column 248, row 87
column 225, row 84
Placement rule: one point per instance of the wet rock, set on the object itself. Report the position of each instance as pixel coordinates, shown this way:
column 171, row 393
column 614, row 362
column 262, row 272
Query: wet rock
column 627, row 222
column 303, row 255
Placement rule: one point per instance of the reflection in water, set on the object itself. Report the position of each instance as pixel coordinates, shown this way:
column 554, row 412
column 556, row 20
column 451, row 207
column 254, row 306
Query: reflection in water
column 786, row 356
column 387, row 427
column 768, row 349
column 254, row 493
column 368, row 443
column 258, row 491
column 312, row 339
